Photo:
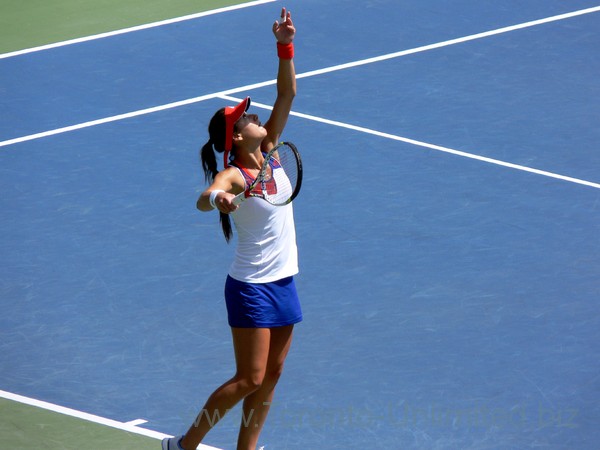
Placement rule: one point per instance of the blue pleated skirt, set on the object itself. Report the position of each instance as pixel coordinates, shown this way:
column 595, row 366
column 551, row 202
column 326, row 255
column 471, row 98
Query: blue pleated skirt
column 262, row 305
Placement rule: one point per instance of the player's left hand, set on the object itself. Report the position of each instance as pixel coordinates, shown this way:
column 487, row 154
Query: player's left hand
column 283, row 29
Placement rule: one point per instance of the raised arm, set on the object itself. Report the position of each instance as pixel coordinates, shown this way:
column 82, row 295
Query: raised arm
column 284, row 32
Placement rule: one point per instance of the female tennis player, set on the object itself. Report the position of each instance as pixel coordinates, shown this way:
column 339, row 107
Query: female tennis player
column 262, row 303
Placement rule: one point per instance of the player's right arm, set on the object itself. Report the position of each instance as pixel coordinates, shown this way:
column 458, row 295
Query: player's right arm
column 230, row 183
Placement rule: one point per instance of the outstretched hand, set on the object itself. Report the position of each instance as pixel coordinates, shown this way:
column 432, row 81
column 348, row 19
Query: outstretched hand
column 283, row 29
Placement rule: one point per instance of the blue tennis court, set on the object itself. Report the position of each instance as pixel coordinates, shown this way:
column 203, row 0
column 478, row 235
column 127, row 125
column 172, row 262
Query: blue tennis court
column 448, row 226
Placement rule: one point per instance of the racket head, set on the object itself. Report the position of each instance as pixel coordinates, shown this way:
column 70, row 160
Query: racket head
column 280, row 178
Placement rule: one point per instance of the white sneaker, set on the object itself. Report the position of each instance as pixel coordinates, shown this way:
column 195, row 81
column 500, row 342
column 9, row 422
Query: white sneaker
column 172, row 443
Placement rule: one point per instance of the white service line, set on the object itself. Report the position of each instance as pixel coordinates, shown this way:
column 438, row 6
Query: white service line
column 137, row 113
column 125, row 426
column 449, row 42
column 132, row 29
column 425, row 145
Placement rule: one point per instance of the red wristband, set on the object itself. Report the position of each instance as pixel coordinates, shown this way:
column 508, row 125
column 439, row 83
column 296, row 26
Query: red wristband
column 285, row 51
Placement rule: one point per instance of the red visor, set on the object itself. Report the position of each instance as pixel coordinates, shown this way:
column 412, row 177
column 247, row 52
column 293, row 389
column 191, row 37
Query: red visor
column 232, row 115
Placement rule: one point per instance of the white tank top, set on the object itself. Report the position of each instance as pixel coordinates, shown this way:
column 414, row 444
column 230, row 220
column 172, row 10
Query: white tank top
column 266, row 246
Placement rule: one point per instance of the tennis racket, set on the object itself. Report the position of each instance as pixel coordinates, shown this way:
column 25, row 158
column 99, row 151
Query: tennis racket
column 279, row 179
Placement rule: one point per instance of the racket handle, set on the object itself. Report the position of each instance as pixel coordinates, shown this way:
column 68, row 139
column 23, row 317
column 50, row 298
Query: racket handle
column 239, row 199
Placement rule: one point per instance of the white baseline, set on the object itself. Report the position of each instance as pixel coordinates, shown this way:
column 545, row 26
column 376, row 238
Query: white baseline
column 130, row 427
column 132, row 29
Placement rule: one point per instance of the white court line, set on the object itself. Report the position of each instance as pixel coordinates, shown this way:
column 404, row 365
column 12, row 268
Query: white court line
column 136, row 422
column 125, row 426
column 426, row 145
column 302, row 75
column 132, row 29
column 451, row 42
column 132, row 114
column 224, row 94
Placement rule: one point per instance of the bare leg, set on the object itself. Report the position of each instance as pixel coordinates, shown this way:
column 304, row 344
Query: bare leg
column 257, row 404
column 251, row 346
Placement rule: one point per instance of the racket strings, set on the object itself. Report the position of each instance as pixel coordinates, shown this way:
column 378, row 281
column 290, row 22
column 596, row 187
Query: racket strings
column 285, row 176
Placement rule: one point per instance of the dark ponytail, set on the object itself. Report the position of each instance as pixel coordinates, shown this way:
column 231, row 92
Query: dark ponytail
column 216, row 131
column 209, row 162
